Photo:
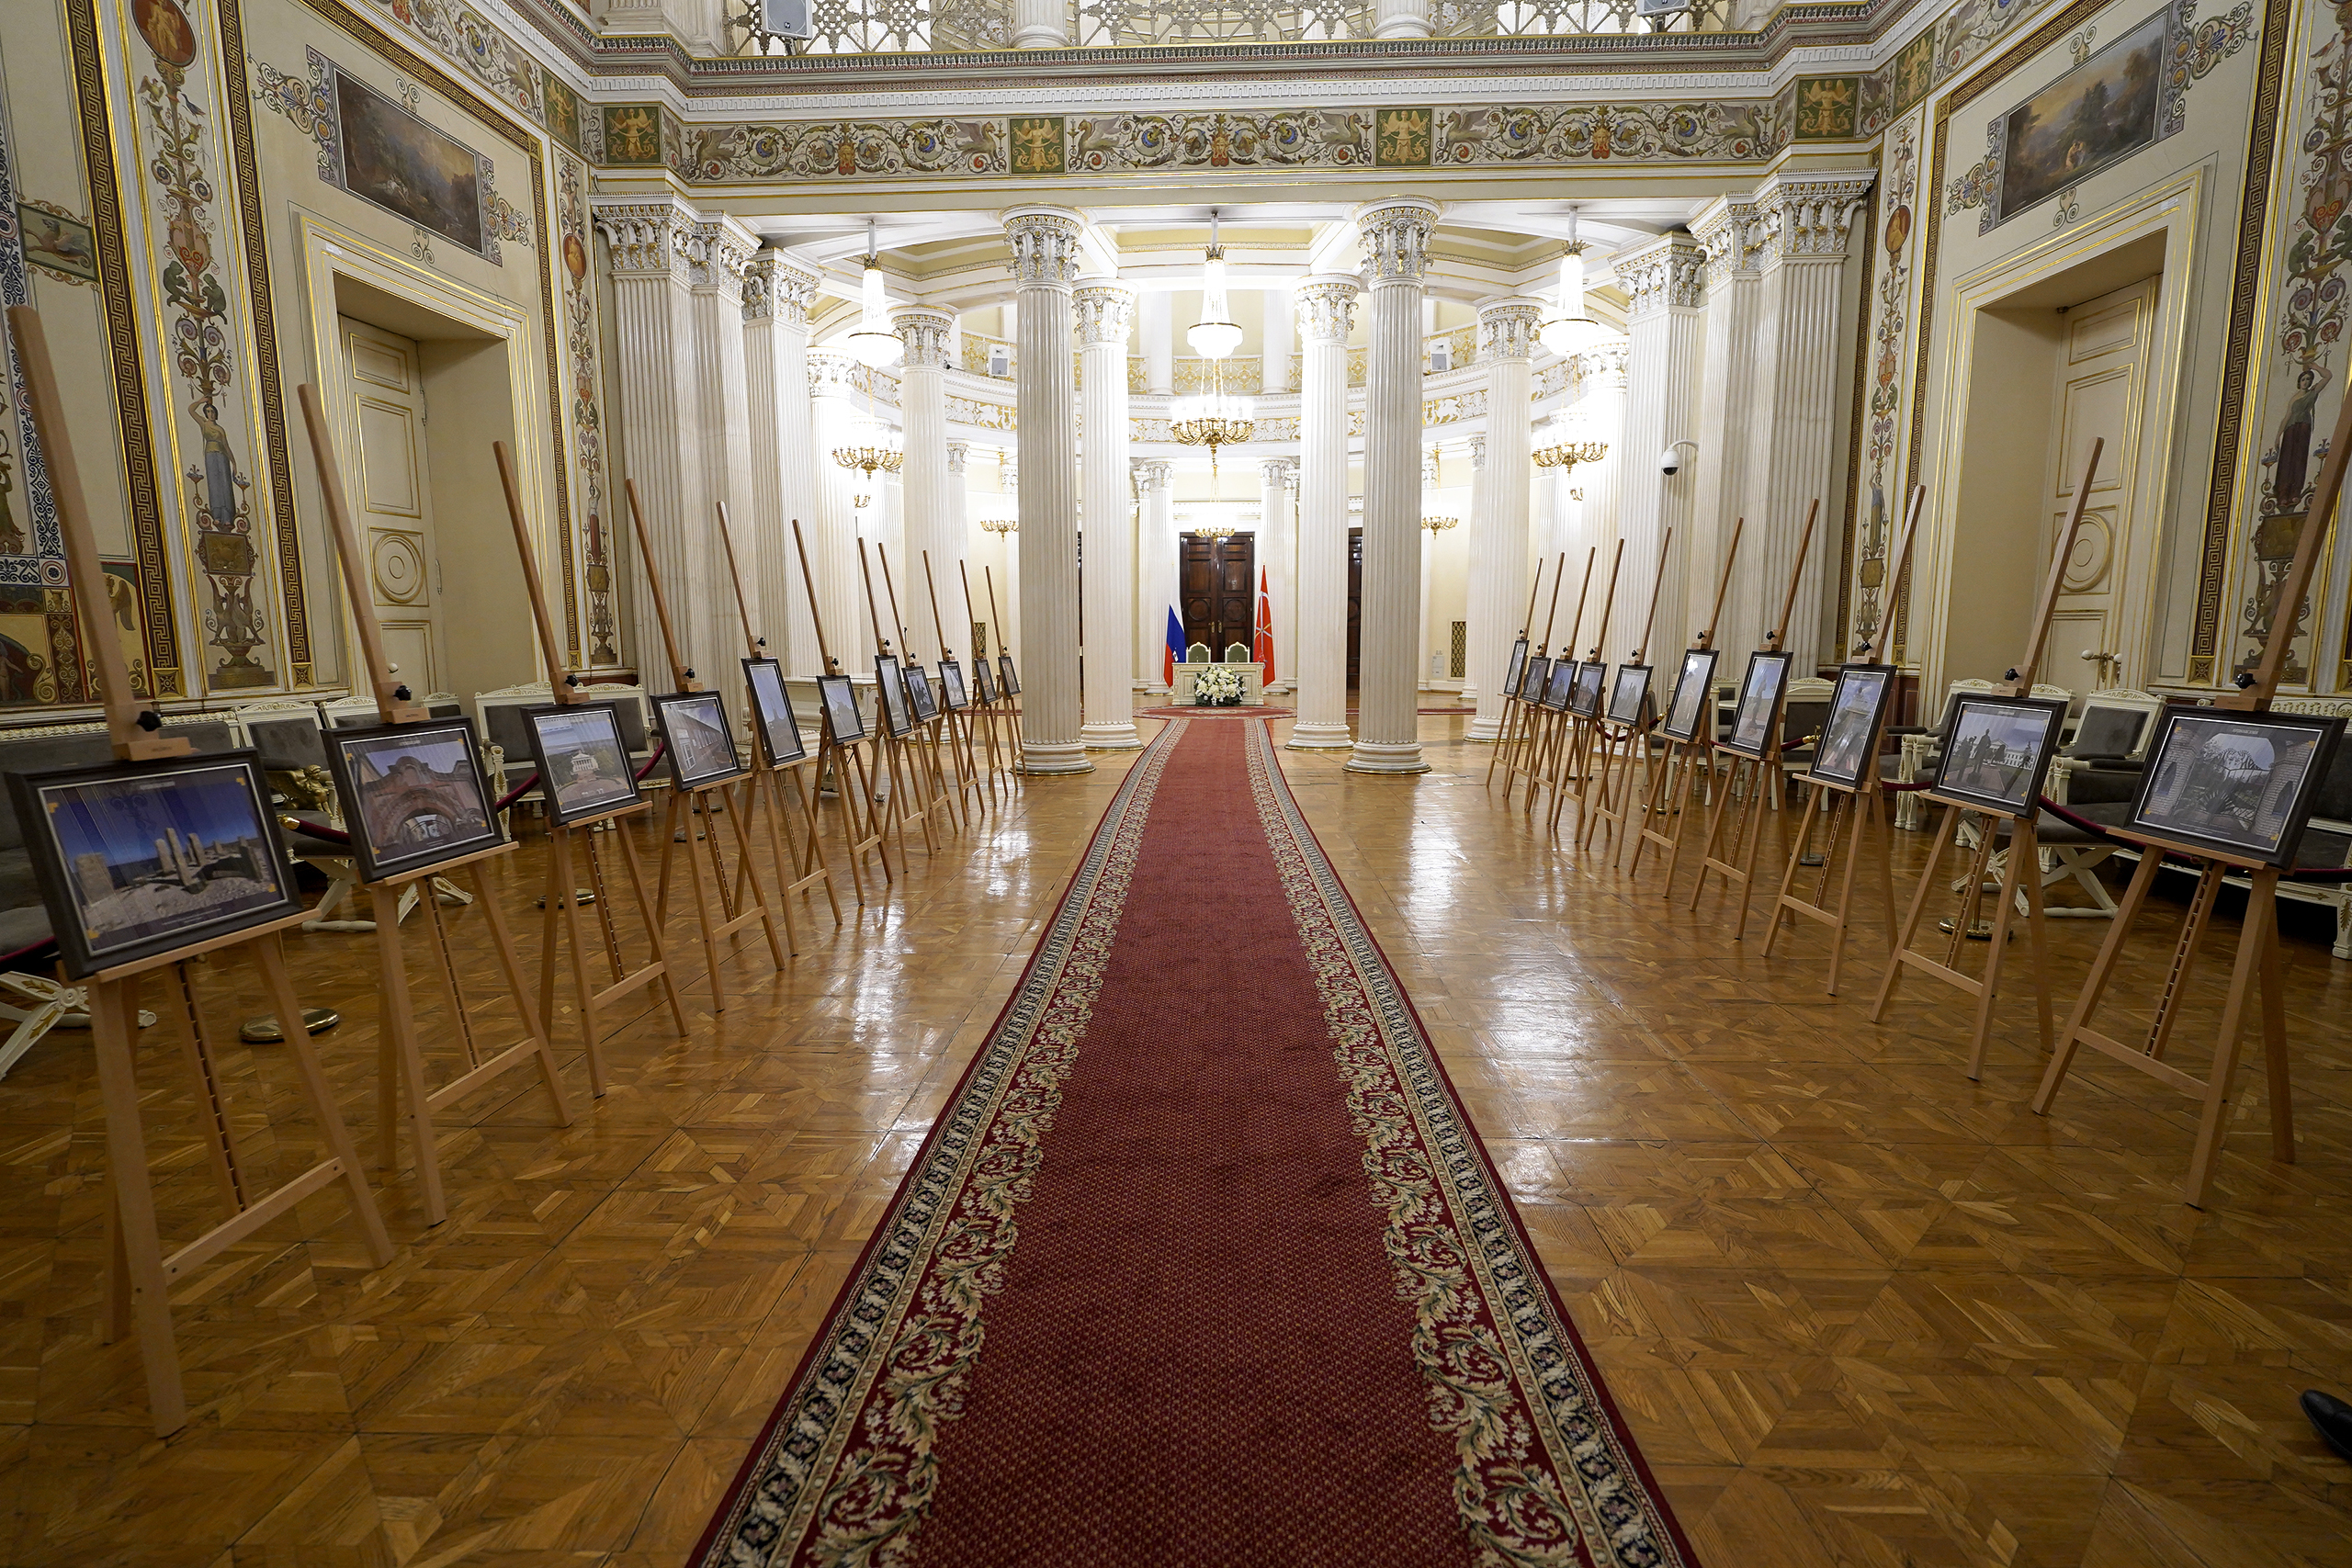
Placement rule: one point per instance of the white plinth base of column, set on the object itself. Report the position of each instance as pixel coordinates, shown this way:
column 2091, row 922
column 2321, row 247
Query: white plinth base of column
column 1377, row 757
column 1039, row 758
column 1046, row 37
column 1109, row 737
column 1486, row 729
column 1319, row 738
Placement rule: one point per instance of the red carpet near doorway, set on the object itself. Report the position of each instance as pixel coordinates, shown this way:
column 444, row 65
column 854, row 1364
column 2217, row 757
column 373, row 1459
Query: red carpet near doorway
column 1203, row 1262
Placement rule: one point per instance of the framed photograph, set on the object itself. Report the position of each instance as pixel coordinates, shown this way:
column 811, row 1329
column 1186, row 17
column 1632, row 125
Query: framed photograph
column 1760, row 690
column 1009, row 682
column 1995, row 750
column 898, row 718
column 1629, row 693
column 919, row 695
column 951, row 684
column 1586, row 698
column 2236, row 784
column 1561, row 686
column 134, row 859
column 702, row 743
column 1690, row 714
column 1516, row 670
column 413, row 794
column 1532, row 679
column 583, row 766
column 772, row 713
column 983, row 683
column 838, row 696
column 1849, row 735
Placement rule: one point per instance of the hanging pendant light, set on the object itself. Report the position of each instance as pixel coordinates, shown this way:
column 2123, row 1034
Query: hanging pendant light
column 1214, row 335
column 875, row 345
column 1572, row 332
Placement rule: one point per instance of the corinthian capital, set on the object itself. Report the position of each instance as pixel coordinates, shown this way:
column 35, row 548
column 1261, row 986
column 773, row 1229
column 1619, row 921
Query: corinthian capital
column 923, row 329
column 1153, row 473
column 1506, row 328
column 1603, row 365
column 777, row 287
column 1105, row 311
column 1726, row 232
column 1044, row 244
column 718, row 253
column 1667, row 273
column 647, row 238
column 1277, row 470
column 1806, row 216
column 1326, row 306
column 1396, row 238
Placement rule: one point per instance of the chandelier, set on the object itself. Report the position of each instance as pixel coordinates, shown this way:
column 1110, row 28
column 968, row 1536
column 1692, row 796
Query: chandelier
column 1568, row 441
column 1217, row 532
column 1002, row 526
column 1214, row 335
column 1572, row 332
column 1437, row 526
column 873, row 344
column 869, row 445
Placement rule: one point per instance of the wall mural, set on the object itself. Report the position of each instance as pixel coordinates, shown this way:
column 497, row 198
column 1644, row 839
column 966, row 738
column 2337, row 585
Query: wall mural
column 1890, row 332
column 587, row 423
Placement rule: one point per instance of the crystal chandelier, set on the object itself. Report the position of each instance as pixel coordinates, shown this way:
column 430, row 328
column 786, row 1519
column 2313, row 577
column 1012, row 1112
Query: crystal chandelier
column 1572, row 332
column 1568, row 441
column 1214, row 335
column 873, row 344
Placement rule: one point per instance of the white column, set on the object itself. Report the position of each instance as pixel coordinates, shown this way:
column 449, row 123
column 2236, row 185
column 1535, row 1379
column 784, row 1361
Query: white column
column 1665, row 345
column 1155, row 563
column 1725, row 410
column 959, row 531
column 1275, row 551
column 702, row 601
column 1396, row 250
column 1039, row 24
column 1327, row 309
column 1498, row 521
column 1402, row 18
column 930, row 523
column 1801, row 224
column 1280, row 341
column 1044, row 265
column 832, row 539
column 1105, row 315
column 776, row 293
column 1155, row 332
column 1600, row 383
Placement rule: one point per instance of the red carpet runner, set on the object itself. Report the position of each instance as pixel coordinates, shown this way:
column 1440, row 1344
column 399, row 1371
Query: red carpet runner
column 1203, row 1264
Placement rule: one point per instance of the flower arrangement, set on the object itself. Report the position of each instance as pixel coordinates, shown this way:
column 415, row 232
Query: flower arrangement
column 1219, row 685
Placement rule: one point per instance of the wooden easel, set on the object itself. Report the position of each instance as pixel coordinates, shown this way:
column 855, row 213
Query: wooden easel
column 2024, row 863
column 139, row 1273
column 944, row 797
column 1619, row 744
column 679, row 822
column 2258, row 955
column 853, row 782
column 799, row 858
column 400, row 1058
column 1690, row 756
column 906, row 802
column 1511, row 717
column 562, row 925
column 985, row 714
column 1572, row 752
column 1008, row 700
column 1854, row 811
column 956, row 719
column 1542, row 722
column 1737, row 866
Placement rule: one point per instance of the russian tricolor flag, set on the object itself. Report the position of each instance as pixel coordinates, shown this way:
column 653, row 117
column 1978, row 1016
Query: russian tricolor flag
column 1175, row 651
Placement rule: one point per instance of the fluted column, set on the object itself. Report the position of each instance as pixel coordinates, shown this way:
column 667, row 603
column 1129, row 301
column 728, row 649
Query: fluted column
column 1039, row 24
column 1277, row 343
column 929, row 522
column 1155, row 336
column 1044, row 265
column 1802, row 225
column 1156, row 563
column 1396, row 251
column 1326, row 309
column 950, row 575
column 1401, row 18
column 702, row 598
column 1498, row 523
column 776, row 292
column 1727, row 371
column 1664, row 280
column 1105, row 315
column 832, row 539
column 1600, row 405
column 1276, row 550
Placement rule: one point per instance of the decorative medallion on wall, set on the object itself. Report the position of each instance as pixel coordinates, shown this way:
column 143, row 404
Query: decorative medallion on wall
column 1038, row 145
column 1828, row 108
column 2115, row 103
column 396, row 566
column 1400, row 139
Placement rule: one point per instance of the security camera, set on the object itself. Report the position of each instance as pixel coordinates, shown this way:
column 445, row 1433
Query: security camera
column 1669, row 462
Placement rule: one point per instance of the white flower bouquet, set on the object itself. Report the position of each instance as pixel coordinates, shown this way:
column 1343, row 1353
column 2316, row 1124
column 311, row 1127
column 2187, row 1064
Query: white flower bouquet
column 1219, row 685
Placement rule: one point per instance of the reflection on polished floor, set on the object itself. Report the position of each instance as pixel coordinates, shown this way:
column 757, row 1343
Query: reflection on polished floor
column 1857, row 1309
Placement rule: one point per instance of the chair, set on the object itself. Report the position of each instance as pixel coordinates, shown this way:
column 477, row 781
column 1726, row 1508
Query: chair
column 2096, row 775
column 1235, row 653
column 293, row 749
column 1197, row 653
column 355, row 712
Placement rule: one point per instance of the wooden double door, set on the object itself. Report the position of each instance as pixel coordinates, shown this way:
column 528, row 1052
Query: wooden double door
column 1217, row 591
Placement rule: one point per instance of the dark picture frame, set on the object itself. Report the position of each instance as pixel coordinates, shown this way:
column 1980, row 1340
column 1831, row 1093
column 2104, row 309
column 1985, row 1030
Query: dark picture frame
column 560, row 736
column 1515, row 670
column 1008, row 680
column 780, row 740
column 837, row 696
column 700, row 741
column 93, row 833
column 896, row 711
column 1690, row 711
column 1849, row 731
column 919, row 694
column 2237, row 785
column 1629, row 693
column 1762, row 688
column 983, row 683
column 415, row 795
column 1995, row 751
column 1585, row 697
column 1561, row 686
column 1532, row 679
column 951, row 684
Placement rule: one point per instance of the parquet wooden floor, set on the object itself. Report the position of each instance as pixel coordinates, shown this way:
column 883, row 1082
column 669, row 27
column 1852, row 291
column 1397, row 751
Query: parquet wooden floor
column 1859, row 1311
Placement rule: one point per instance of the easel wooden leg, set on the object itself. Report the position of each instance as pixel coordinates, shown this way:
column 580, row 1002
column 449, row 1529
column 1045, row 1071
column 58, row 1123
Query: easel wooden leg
column 1696, row 760
column 1903, row 934
column 810, row 867
column 656, row 941
column 1856, row 809
column 133, row 1198
column 739, row 808
column 1982, row 1032
column 399, row 1062
column 2025, row 843
column 1803, row 841
column 270, row 950
column 2255, row 960
column 219, row 1142
column 510, row 964
column 2095, row 983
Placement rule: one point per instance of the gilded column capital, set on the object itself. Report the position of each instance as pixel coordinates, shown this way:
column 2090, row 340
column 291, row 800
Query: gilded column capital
column 1104, row 311
column 646, row 239
column 1477, row 452
column 778, row 288
column 1726, row 231
column 1603, row 365
column 831, row 374
column 1044, row 244
column 1281, row 471
column 1506, row 328
column 1396, row 238
column 924, row 330
column 718, row 253
column 1153, row 473
column 1808, row 216
column 1667, row 273
column 1326, row 306
column 959, row 456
